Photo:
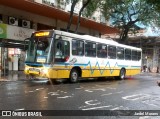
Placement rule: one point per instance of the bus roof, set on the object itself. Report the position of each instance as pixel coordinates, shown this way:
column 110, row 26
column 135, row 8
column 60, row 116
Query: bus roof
column 95, row 39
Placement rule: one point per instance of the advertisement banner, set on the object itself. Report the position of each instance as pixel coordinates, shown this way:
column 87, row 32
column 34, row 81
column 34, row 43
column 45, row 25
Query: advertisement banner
column 3, row 30
column 18, row 33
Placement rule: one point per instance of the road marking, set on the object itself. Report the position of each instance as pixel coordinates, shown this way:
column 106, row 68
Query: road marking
column 119, row 92
column 64, row 97
column 112, row 93
column 120, row 108
column 92, row 108
column 136, row 97
column 53, row 93
column 19, row 109
column 107, row 94
column 91, row 90
column 90, row 102
column 39, row 88
column 145, row 117
column 116, row 108
column 151, row 104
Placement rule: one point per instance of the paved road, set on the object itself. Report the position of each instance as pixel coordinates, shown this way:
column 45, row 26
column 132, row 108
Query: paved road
column 136, row 93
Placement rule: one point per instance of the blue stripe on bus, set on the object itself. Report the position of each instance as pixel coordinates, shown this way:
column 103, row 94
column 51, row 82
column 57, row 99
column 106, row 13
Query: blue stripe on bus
column 85, row 65
column 97, row 65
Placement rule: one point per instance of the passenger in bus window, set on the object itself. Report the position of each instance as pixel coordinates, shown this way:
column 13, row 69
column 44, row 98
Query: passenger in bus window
column 80, row 53
column 58, row 50
column 47, row 50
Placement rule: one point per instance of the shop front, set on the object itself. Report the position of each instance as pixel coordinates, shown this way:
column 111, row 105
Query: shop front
column 12, row 54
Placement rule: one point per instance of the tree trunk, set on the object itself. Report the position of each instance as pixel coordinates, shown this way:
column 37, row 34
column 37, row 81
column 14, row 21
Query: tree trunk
column 124, row 36
column 80, row 13
column 71, row 14
column 124, row 33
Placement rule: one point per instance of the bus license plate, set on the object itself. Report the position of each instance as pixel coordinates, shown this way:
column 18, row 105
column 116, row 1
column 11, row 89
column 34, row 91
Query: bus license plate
column 34, row 71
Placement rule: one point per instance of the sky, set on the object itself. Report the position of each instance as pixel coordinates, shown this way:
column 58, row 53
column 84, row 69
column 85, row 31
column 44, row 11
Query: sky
column 152, row 31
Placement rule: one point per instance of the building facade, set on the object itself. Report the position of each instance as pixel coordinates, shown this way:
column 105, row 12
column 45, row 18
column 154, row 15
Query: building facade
column 19, row 18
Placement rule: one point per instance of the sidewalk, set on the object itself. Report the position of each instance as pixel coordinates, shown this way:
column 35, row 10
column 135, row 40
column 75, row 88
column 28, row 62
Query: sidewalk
column 12, row 76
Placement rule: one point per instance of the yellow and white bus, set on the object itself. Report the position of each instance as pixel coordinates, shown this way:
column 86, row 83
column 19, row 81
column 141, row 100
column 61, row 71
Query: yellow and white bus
column 55, row 54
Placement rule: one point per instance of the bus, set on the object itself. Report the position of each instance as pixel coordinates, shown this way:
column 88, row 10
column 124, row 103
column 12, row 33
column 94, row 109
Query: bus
column 55, row 54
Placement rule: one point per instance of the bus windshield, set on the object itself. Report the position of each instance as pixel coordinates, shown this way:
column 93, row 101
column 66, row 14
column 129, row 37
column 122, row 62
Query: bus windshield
column 48, row 50
column 40, row 50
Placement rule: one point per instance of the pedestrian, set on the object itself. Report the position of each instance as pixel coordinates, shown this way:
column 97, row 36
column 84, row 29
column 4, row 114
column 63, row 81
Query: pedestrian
column 149, row 69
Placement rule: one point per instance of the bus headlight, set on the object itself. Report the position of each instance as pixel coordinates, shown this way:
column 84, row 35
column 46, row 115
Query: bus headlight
column 26, row 69
column 44, row 71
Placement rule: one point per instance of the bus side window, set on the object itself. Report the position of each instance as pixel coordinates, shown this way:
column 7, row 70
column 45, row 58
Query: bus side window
column 139, row 55
column 77, row 47
column 111, row 52
column 120, row 53
column 134, row 55
column 58, row 52
column 90, row 49
column 61, row 50
column 101, row 50
column 127, row 54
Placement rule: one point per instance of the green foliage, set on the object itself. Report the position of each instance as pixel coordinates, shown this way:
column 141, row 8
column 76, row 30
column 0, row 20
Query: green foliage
column 155, row 3
column 91, row 8
column 125, row 14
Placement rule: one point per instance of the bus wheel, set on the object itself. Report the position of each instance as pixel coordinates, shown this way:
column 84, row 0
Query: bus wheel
column 122, row 74
column 74, row 76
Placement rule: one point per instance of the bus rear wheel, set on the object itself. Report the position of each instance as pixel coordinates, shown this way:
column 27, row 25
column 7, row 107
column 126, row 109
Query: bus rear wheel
column 122, row 74
column 74, row 76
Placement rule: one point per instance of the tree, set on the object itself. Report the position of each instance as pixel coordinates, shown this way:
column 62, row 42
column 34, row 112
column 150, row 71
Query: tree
column 73, row 2
column 85, row 3
column 156, row 5
column 91, row 8
column 125, row 14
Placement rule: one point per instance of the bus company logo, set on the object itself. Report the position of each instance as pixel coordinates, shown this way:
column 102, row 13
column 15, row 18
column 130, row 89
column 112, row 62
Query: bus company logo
column 6, row 113
column 74, row 60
